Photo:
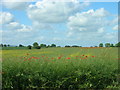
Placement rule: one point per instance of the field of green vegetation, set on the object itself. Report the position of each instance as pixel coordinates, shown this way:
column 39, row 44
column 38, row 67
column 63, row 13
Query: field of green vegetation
column 74, row 68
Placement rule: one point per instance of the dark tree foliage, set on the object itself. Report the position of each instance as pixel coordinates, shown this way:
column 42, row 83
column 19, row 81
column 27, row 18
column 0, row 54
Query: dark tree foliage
column 101, row 45
column 53, row 45
column 67, row 46
column 29, row 47
column 107, row 45
column 42, row 45
column 20, row 45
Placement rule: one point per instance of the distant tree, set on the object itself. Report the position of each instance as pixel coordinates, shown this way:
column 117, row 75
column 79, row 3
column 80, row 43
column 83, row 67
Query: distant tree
column 42, row 45
column 5, row 45
column 101, row 45
column 8, row 45
column 58, row 46
column 1, row 45
column 107, row 45
column 29, row 47
column 111, row 45
column 53, row 45
column 117, row 45
column 67, row 46
column 38, row 47
column 96, row 46
column 35, row 45
column 20, row 45
column 48, row 46
column 75, row 46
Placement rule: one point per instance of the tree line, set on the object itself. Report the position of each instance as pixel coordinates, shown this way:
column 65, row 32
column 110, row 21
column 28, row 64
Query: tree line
column 35, row 45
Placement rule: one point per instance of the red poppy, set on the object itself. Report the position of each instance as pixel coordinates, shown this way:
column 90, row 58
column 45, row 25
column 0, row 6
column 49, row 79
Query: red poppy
column 59, row 57
column 35, row 57
column 68, row 58
column 29, row 58
column 25, row 60
column 42, row 56
column 83, row 55
column 86, row 56
column 93, row 56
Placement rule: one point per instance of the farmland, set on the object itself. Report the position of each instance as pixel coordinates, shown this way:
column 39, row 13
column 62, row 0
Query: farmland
column 60, row 68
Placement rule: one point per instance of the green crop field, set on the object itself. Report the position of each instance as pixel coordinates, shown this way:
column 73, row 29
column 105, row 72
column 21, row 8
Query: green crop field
column 60, row 68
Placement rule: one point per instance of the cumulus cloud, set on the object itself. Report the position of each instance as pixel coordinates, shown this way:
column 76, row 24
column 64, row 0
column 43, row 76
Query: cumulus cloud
column 53, row 12
column 16, row 4
column 115, row 27
column 89, row 21
column 8, row 23
column 5, row 17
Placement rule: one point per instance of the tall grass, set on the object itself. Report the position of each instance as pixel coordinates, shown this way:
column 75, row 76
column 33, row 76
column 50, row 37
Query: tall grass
column 60, row 68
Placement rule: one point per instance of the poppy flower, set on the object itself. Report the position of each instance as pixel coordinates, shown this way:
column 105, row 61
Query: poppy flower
column 86, row 56
column 59, row 57
column 93, row 56
column 68, row 58
column 29, row 58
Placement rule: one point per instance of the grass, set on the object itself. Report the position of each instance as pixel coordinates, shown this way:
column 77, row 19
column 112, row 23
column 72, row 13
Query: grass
column 60, row 68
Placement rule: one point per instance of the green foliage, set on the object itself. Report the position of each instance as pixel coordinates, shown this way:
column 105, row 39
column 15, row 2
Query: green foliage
column 101, row 45
column 36, row 46
column 111, row 45
column 118, row 44
column 97, row 72
column 29, row 47
column 20, row 45
column 53, row 45
column 107, row 45
column 42, row 45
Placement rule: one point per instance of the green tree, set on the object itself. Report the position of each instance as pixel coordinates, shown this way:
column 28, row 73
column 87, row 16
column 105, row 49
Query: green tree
column 117, row 45
column 42, row 45
column 107, row 45
column 111, row 45
column 29, row 47
column 53, row 45
column 101, row 45
column 35, row 45
column 20, row 45
column 5, row 45
column 1, row 45
column 8, row 45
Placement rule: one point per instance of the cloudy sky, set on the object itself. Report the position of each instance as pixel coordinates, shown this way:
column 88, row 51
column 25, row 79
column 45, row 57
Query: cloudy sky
column 62, row 23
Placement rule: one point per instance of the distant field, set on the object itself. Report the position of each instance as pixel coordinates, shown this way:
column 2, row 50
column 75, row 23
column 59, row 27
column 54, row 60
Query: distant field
column 60, row 68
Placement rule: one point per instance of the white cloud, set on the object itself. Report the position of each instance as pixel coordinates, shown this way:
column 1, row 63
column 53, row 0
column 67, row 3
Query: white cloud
column 89, row 21
column 101, row 30
column 8, row 23
column 115, row 27
column 16, row 4
column 5, row 17
column 25, row 28
column 53, row 12
column 12, row 26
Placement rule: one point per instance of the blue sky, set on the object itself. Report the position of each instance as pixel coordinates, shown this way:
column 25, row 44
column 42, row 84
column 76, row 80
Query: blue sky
column 63, row 23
